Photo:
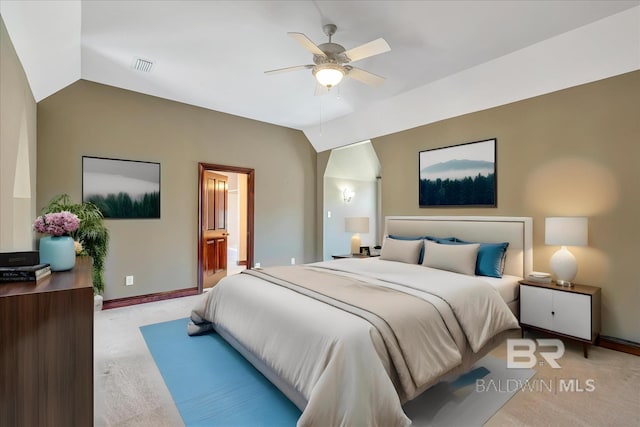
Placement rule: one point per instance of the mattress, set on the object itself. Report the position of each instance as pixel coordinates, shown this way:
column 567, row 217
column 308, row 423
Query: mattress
column 507, row 286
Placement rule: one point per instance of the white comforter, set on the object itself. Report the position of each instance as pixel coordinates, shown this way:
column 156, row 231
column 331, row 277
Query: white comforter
column 338, row 361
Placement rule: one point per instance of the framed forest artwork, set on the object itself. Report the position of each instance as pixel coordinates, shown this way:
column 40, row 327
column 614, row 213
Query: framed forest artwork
column 461, row 175
column 122, row 188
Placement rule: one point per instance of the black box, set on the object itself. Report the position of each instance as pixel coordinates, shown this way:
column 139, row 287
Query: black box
column 19, row 259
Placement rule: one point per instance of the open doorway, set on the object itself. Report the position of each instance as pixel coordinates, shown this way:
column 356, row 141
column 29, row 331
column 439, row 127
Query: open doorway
column 225, row 221
column 351, row 189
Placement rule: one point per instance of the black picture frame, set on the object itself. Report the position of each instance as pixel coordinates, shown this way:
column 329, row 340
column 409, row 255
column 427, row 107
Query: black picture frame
column 122, row 189
column 463, row 175
column 365, row 250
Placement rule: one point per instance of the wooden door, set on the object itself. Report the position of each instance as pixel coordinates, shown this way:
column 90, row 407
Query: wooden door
column 214, row 228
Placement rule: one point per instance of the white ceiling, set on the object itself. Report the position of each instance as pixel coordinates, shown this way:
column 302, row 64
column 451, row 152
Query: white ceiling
column 446, row 56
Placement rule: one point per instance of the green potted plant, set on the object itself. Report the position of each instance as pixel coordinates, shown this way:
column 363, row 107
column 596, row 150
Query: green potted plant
column 92, row 234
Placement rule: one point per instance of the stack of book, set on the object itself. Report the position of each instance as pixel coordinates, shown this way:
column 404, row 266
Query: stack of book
column 539, row 277
column 29, row 273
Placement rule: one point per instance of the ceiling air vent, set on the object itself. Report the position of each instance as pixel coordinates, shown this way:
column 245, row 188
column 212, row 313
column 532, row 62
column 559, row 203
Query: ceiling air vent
column 143, row 65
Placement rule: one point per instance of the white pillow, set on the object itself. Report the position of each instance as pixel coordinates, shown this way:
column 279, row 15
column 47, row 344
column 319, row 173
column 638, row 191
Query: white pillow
column 407, row 251
column 456, row 258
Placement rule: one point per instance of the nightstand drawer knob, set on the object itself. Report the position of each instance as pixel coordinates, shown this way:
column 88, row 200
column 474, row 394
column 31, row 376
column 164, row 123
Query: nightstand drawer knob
column 553, row 313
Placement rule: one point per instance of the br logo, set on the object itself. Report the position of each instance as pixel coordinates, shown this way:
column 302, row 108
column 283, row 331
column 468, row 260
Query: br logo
column 524, row 350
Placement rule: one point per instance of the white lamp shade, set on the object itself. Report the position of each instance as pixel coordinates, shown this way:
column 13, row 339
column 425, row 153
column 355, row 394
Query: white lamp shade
column 356, row 224
column 566, row 231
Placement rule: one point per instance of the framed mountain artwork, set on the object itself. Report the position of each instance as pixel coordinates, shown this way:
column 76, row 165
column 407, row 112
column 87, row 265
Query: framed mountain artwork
column 461, row 175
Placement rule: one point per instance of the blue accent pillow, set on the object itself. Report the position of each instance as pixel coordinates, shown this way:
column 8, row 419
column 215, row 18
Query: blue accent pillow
column 491, row 257
column 432, row 238
column 444, row 240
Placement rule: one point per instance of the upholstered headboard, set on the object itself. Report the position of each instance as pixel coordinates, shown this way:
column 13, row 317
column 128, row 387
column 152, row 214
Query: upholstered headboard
column 518, row 231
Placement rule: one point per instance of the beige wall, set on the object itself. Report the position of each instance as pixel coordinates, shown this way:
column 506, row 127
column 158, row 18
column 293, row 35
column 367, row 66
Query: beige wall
column 92, row 119
column 572, row 152
column 17, row 151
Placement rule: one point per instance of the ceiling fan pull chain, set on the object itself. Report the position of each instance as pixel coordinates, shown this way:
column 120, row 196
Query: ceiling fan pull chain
column 320, row 116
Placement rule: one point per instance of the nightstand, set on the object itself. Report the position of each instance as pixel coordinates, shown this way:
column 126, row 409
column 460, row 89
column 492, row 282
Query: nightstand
column 567, row 312
column 352, row 256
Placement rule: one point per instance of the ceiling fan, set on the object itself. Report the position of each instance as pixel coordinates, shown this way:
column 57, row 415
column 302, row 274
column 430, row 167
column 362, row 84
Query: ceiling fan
column 331, row 60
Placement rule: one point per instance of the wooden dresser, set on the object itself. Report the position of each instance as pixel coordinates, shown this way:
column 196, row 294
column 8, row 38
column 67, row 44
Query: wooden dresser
column 46, row 350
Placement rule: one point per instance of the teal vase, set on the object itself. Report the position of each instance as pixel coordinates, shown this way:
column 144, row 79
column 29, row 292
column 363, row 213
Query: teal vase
column 58, row 251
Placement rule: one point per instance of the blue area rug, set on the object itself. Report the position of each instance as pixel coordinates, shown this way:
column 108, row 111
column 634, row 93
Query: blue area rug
column 213, row 385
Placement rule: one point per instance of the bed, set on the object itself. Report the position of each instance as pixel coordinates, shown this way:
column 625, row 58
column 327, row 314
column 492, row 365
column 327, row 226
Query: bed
column 350, row 341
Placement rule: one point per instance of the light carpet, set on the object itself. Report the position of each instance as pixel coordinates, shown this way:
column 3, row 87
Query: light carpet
column 472, row 398
column 213, row 385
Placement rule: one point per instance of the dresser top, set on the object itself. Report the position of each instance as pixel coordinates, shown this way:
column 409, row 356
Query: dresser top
column 79, row 277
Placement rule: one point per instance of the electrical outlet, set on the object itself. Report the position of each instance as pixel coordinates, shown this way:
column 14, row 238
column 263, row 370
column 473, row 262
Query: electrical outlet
column 128, row 280
column 328, row 214
column 293, row 261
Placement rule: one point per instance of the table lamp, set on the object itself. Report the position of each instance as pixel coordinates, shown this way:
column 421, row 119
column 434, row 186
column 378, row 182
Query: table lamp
column 565, row 231
column 356, row 225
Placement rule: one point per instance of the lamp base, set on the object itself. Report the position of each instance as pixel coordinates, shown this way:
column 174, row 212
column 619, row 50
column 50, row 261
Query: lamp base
column 564, row 283
column 564, row 266
column 355, row 244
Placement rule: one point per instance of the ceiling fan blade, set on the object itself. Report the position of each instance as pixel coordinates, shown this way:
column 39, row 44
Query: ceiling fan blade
column 284, row 70
column 366, row 50
column 307, row 43
column 365, row 76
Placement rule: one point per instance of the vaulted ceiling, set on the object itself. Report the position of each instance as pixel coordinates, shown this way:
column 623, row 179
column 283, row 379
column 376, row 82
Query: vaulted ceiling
column 447, row 57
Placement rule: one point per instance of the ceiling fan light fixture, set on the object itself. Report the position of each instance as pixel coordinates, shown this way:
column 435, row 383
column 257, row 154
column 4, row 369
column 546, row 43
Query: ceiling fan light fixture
column 329, row 74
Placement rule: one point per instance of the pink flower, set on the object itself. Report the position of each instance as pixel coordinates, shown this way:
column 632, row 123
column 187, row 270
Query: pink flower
column 57, row 223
